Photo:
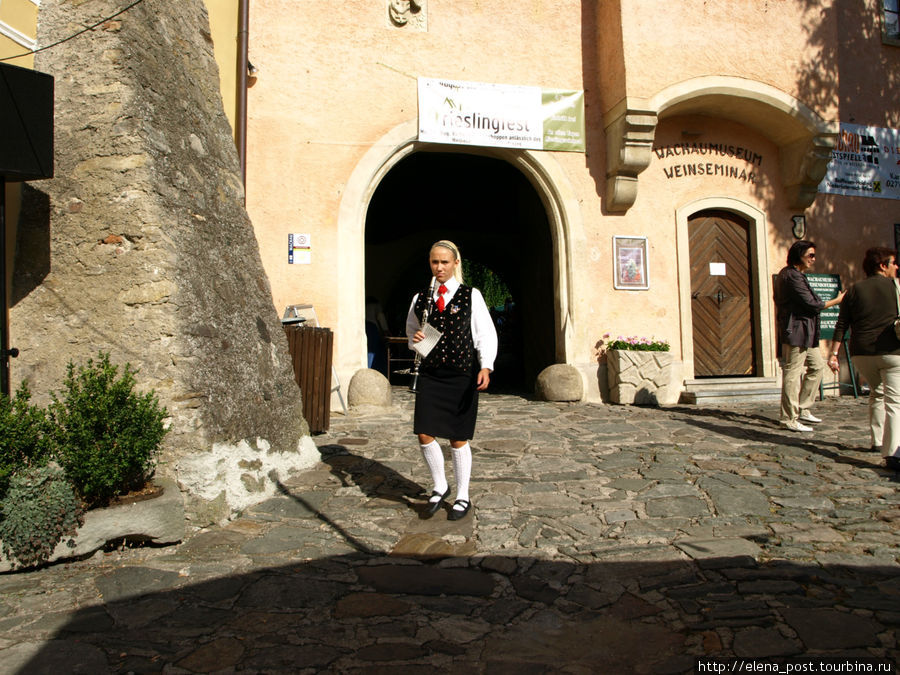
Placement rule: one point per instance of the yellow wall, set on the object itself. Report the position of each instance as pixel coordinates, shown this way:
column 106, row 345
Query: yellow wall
column 19, row 18
column 223, row 24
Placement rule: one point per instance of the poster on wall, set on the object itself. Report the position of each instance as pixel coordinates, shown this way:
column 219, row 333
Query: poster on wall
column 299, row 251
column 630, row 263
column 865, row 162
column 500, row 115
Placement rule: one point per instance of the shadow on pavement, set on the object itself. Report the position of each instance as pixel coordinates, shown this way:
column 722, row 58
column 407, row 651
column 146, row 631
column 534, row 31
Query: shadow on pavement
column 346, row 536
column 373, row 478
column 354, row 609
column 371, row 613
column 753, row 428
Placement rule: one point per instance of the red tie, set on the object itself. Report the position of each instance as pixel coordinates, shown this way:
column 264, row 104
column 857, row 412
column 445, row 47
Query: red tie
column 440, row 300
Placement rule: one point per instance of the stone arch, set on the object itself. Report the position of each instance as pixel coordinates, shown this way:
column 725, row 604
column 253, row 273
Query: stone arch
column 541, row 170
column 762, row 283
column 804, row 139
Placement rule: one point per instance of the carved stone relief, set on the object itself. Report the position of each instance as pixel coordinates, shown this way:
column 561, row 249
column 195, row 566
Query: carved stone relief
column 408, row 14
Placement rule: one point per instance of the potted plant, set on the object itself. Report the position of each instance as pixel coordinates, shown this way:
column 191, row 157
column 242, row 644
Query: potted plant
column 639, row 369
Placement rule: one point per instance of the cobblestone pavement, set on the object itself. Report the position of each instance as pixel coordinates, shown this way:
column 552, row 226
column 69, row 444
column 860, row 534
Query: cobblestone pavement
column 604, row 539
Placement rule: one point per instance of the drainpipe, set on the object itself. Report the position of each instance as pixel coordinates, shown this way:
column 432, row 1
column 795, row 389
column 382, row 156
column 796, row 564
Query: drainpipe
column 4, row 315
column 240, row 135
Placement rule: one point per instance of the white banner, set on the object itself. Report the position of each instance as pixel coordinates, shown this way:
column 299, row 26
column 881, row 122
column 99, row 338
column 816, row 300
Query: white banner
column 500, row 115
column 864, row 163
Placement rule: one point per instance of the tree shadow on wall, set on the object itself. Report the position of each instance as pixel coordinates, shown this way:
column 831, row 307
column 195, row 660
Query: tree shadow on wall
column 848, row 55
column 849, row 65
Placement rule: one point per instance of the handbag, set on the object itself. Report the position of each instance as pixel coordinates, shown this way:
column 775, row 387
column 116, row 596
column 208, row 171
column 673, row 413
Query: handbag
column 897, row 320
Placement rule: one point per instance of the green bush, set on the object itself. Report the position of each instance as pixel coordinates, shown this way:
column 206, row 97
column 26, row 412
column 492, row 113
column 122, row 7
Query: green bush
column 106, row 436
column 492, row 287
column 23, row 435
column 38, row 510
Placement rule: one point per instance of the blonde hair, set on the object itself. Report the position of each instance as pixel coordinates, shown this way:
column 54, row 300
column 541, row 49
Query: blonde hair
column 450, row 246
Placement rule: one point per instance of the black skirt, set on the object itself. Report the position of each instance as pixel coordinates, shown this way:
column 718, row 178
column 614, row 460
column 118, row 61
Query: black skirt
column 446, row 404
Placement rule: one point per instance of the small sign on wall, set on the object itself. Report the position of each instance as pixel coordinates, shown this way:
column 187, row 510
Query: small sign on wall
column 299, row 250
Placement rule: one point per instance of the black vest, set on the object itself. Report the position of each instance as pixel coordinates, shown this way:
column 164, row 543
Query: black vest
column 456, row 348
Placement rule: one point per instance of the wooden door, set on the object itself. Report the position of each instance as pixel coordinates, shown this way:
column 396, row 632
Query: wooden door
column 721, row 295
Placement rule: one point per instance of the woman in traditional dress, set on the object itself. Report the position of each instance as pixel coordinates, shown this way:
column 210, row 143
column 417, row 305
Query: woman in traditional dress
column 452, row 374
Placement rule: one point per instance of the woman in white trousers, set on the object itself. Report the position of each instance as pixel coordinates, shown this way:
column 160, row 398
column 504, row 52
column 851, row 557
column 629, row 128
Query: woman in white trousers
column 869, row 310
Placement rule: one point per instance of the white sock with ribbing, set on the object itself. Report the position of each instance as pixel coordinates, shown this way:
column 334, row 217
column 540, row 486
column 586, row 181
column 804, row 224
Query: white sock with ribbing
column 434, row 458
column 462, row 469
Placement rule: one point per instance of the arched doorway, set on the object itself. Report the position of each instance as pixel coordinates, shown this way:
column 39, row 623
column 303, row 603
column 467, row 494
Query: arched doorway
column 722, row 299
column 760, row 292
column 496, row 217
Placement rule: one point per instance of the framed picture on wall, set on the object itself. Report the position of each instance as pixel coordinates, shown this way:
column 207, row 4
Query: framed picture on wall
column 630, row 263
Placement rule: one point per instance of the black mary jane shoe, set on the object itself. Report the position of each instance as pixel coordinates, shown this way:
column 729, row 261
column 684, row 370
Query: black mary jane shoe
column 892, row 463
column 433, row 507
column 459, row 514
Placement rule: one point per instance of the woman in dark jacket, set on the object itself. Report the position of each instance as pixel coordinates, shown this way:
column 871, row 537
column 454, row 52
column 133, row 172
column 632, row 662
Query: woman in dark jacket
column 798, row 309
column 869, row 310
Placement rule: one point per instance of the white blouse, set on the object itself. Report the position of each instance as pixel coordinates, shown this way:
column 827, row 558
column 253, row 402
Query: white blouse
column 483, row 332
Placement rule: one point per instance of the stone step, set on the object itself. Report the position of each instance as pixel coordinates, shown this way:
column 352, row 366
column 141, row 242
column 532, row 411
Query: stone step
column 731, row 390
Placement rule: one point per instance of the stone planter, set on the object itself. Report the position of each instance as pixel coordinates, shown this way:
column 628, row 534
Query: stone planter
column 640, row 378
column 155, row 521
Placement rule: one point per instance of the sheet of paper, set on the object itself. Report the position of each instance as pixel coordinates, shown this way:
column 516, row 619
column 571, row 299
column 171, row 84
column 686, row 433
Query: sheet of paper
column 432, row 335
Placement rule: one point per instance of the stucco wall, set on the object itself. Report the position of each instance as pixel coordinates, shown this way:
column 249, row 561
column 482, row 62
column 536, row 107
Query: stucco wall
column 337, row 91
column 670, row 42
column 337, row 77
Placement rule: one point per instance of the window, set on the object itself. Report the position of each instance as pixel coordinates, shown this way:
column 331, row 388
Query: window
column 891, row 31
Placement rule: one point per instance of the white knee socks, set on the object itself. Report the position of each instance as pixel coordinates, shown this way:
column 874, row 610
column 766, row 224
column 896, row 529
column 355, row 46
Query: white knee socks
column 462, row 468
column 434, row 457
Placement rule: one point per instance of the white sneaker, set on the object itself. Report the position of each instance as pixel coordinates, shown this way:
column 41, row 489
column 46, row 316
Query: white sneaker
column 806, row 416
column 795, row 425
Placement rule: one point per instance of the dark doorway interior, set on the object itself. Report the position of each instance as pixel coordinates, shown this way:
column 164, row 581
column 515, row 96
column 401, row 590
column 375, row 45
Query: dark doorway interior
column 495, row 216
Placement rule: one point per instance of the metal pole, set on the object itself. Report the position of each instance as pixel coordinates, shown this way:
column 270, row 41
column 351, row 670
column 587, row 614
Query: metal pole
column 242, row 65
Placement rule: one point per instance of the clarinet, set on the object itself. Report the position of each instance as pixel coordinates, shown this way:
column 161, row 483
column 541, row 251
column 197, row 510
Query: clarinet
column 415, row 371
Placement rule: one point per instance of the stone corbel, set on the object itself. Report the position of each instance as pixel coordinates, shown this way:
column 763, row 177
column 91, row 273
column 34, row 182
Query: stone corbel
column 629, row 148
column 803, row 165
